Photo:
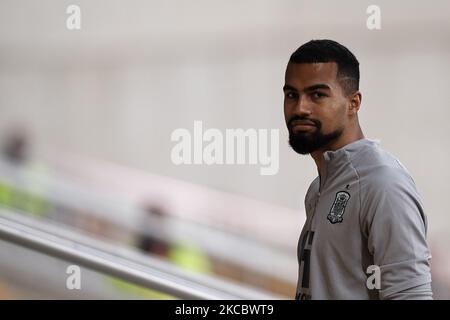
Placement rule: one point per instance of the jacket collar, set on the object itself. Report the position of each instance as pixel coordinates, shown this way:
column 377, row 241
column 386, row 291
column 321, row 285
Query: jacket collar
column 349, row 150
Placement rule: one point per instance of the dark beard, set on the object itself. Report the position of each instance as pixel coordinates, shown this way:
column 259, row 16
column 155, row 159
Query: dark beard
column 305, row 143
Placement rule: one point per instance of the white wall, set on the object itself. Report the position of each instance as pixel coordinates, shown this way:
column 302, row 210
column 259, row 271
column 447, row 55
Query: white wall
column 137, row 70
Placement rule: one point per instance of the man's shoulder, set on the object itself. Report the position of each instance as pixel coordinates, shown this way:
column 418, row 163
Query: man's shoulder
column 312, row 190
column 379, row 168
column 314, row 185
column 387, row 187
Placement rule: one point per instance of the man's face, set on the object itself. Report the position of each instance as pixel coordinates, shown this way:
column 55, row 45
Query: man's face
column 315, row 106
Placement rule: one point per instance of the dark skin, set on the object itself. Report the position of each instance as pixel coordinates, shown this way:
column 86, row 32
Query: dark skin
column 312, row 91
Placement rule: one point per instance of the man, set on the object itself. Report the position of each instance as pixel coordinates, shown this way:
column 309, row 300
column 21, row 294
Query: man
column 364, row 235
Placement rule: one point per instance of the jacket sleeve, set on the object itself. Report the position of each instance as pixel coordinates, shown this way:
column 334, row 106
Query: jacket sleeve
column 395, row 225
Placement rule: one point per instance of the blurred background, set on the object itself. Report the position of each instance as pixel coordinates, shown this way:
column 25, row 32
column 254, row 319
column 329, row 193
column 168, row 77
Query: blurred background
column 86, row 118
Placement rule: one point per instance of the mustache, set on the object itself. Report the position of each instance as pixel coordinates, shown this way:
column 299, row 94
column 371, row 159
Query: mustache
column 317, row 123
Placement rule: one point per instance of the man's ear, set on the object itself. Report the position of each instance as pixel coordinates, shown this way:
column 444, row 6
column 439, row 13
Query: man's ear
column 355, row 102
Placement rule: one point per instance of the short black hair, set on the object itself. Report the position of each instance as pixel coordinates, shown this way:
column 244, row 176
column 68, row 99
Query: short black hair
column 317, row 51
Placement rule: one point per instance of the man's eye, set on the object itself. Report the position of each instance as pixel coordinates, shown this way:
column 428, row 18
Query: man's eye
column 291, row 95
column 318, row 95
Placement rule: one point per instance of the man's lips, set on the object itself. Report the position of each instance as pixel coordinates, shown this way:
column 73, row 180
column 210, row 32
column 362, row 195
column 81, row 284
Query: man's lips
column 302, row 125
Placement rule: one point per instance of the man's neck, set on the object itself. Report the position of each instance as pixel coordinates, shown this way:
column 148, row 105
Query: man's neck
column 335, row 145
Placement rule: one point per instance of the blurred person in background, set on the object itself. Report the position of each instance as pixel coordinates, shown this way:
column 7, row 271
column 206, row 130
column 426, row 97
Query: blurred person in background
column 20, row 183
column 16, row 147
column 185, row 255
column 154, row 239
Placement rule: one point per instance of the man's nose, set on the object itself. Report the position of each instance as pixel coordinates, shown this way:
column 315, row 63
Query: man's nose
column 303, row 107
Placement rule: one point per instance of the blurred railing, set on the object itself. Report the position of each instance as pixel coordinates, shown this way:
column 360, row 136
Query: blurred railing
column 265, row 258
column 121, row 263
